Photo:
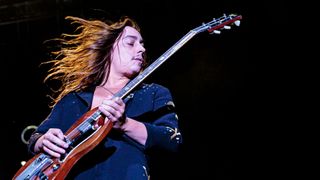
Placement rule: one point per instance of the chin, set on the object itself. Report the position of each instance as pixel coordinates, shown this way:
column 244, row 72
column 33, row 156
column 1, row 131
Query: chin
column 136, row 69
column 133, row 72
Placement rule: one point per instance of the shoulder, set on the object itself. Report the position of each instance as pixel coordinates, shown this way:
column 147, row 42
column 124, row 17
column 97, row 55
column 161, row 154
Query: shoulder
column 154, row 91
column 75, row 97
column 154, row 87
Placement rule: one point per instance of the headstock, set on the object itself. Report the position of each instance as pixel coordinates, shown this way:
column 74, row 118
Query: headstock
column 217, row 24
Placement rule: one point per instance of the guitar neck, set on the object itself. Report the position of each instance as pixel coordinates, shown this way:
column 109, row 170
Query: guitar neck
column 213, row 27
column 152, row 67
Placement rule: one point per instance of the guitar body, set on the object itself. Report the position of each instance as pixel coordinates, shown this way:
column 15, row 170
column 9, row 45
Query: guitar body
column 42, row 166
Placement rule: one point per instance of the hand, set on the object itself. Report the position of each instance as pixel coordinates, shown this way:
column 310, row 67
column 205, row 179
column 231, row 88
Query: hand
column 114, row 110
column 52, row 142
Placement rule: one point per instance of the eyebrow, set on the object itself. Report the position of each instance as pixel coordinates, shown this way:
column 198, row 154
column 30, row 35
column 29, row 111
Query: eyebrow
column 133, row 37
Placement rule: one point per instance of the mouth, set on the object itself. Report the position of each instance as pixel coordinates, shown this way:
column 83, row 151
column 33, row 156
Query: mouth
column 138, row 59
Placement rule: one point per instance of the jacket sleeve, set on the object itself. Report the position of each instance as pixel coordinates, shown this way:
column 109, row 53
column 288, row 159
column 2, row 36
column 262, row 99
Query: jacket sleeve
column 53, row 120
column 163, row 131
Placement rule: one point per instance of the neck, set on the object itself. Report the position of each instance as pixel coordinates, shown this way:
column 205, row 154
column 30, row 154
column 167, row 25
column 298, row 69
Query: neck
column 115, row 83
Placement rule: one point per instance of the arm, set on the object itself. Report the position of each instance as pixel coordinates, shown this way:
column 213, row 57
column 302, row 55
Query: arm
column 163, row 131
column 135, row 130
column 49, row 136
column 154, row 108
column 158, row 124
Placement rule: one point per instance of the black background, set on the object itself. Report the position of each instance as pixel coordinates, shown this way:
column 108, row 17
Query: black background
column 224, row 86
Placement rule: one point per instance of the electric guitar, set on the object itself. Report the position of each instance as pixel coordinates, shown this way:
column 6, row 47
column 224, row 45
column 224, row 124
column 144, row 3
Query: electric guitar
column 91, row 129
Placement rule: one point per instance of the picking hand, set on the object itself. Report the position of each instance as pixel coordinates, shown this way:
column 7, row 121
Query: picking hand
column 52, row 142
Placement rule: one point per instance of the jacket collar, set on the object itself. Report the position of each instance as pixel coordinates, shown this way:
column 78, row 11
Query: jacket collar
column 86, row 96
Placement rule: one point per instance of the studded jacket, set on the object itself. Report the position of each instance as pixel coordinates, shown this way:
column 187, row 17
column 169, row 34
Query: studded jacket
column 118, row 156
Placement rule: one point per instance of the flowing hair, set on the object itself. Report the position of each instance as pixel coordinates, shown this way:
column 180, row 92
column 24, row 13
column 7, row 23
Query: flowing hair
column 83, row 59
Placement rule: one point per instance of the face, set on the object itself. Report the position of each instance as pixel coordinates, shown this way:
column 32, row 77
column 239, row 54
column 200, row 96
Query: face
column 128, row 50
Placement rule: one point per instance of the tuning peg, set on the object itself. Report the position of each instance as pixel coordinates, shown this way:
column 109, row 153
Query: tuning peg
column 215, row 32
column 227, row 27
column 237, row 23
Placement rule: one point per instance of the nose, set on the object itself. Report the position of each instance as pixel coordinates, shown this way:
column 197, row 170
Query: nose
column 140, row 48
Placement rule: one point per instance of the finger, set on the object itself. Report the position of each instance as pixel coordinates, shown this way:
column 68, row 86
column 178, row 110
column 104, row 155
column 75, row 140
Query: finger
column 119, row 101
column 121, row 105
column 57, row 132
column 111, row 111
column 118, row 114
column 54, row 139
column 108, row 115
column 106, row 102
column 52, row 149
column 108, row 98
column 112, row 103
column 116, row 108
column 50, row 152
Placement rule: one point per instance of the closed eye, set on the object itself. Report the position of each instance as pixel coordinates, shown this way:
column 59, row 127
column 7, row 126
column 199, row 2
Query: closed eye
column 131, row 40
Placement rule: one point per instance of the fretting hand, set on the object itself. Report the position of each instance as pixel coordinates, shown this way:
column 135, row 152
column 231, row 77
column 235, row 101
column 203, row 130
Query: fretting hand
column 114, row 110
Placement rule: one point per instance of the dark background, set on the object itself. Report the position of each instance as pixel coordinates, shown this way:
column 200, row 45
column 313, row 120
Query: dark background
column 224, row 86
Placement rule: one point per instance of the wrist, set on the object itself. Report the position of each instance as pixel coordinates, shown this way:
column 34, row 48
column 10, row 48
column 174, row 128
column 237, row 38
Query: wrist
column 32, row 143
column 124, row 124
column 38, row 145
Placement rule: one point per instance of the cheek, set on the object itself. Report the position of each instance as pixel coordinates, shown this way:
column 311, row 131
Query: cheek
column 120, row 59
column 125, row 57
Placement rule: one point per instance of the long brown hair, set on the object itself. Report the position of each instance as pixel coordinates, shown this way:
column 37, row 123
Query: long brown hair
column 83, row 59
